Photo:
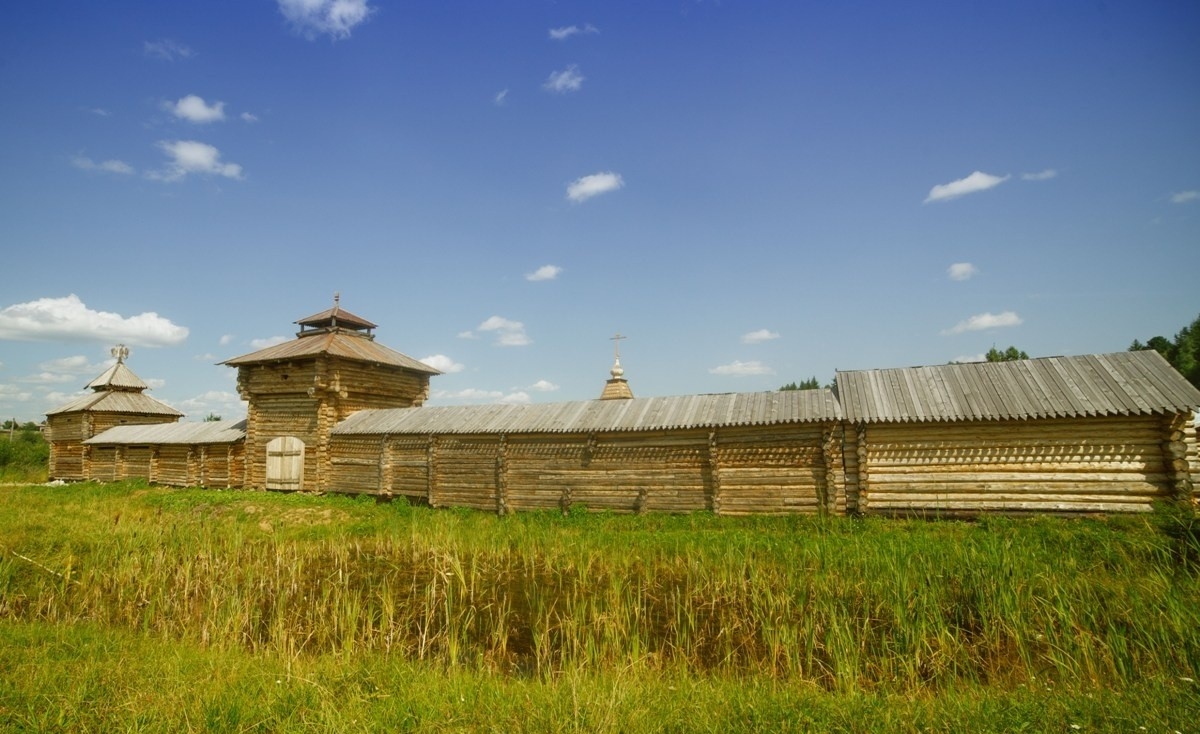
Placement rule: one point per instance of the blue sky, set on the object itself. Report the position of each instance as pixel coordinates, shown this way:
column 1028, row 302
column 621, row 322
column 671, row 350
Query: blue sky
column 752, row 192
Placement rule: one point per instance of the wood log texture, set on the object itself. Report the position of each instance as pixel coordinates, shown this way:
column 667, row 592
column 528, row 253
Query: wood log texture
column 775, row 470
column 1083, row 465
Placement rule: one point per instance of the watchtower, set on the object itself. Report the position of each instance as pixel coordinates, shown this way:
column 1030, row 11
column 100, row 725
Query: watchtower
column 299, row 390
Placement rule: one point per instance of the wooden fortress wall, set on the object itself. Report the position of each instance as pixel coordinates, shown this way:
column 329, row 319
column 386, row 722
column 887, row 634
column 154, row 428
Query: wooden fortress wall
column 1070, row 465
column 778, row 469
column 307, row 398
column 175, row 465
column 69, row 458
column 965, row 468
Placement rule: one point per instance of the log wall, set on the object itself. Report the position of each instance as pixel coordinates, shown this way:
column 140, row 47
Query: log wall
column 306, row 398
column 738, row 471
column 1078, row 465
column 69, row 458
column 1190, row 435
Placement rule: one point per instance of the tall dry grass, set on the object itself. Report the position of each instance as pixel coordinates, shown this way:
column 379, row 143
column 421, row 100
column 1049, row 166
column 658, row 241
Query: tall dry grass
column 845, row 605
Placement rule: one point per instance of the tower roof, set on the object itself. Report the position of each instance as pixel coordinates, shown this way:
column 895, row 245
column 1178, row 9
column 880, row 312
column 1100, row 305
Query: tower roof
column 118, row 377
column 335, row 332
column 117, row 390
column 334, row 318
column 617, row 387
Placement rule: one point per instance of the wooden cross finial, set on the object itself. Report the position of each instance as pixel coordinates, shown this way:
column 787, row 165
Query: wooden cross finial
column 337, row 297
column 616, row 339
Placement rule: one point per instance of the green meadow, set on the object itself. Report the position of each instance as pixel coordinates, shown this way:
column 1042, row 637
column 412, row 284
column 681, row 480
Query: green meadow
column 127, row 607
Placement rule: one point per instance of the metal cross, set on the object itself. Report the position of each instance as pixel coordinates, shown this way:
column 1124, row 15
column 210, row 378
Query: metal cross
column 616, row 339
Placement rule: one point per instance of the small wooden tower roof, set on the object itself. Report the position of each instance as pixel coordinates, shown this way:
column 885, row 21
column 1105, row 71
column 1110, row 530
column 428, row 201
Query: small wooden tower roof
column 617, row 387
column 117, row 390
column 334, row 318
column 118, row 377
column 338, row 333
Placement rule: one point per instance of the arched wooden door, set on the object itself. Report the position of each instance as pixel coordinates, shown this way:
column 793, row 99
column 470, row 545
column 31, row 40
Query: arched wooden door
column 285, row 463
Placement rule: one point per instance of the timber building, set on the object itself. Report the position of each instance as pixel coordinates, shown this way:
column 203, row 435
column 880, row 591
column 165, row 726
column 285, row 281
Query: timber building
column 333, row 410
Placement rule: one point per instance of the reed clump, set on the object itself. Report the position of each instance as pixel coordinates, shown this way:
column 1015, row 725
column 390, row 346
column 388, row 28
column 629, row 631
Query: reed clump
column 841, row 604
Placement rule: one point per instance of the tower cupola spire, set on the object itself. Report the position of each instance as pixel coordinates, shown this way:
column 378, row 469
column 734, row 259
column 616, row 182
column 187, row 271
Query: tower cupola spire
column 617, row 387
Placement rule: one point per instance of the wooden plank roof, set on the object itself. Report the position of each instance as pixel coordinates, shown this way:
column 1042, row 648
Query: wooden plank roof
column 348, row 345
column 336, row 316
column 118, row 377
column 585, row 416
column 1122, row 383
column 115, row 402
column 163, row 434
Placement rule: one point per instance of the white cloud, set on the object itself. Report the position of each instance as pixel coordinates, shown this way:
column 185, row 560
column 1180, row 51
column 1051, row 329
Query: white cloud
column 567, row 80
column 962, row 271
column 194, row 109
column 68, row 319
column 20, row 395
column 167, row 49
column 226, row 404
column 508, row 333
column 155, row 382
column 225, row 339
column 48, row 378
column 562, row 34
column 442, row 363
column 1045, row 175
column 206, row 357
column 190, row 156
column 977, row 181
column 268, row 342
column 741, row 369
column 584, row 188
column 757, row 337
column 481, row 396
column 467, row 335
column 248, row 117
column 110, row 166
column 99, row 111
column 965, row 358
column 546, row 272
column 543, row 386
column 469, row 393
column 985, row 321
column 74, row 365
column 1183, row 197
column 335, row 18
column 500, row 97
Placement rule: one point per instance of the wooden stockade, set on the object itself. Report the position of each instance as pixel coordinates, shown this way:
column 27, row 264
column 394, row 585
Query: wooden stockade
column 334, row 411
column 181, row 455
column 791, row 469
column 305, row 387
column 1095, row 464
column 117, row 399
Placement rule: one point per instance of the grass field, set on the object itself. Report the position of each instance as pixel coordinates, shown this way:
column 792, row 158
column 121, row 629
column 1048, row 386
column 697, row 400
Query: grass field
column 134, row 608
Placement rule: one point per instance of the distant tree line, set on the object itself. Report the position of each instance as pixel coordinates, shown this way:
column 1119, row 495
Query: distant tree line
column 1183, row 352
column 24, row 453
column 809, row 384
column 1012, row 354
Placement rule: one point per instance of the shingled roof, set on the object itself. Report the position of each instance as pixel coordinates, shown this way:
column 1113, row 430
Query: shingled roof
column 165, row 434
column 582, row 416
column 1123, row 383
column 116, row 402
column 338, row 333
column 334, row 343
column 116, row 390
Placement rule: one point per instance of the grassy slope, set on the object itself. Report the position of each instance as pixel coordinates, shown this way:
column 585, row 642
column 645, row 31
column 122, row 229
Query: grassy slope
column 126, row 607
